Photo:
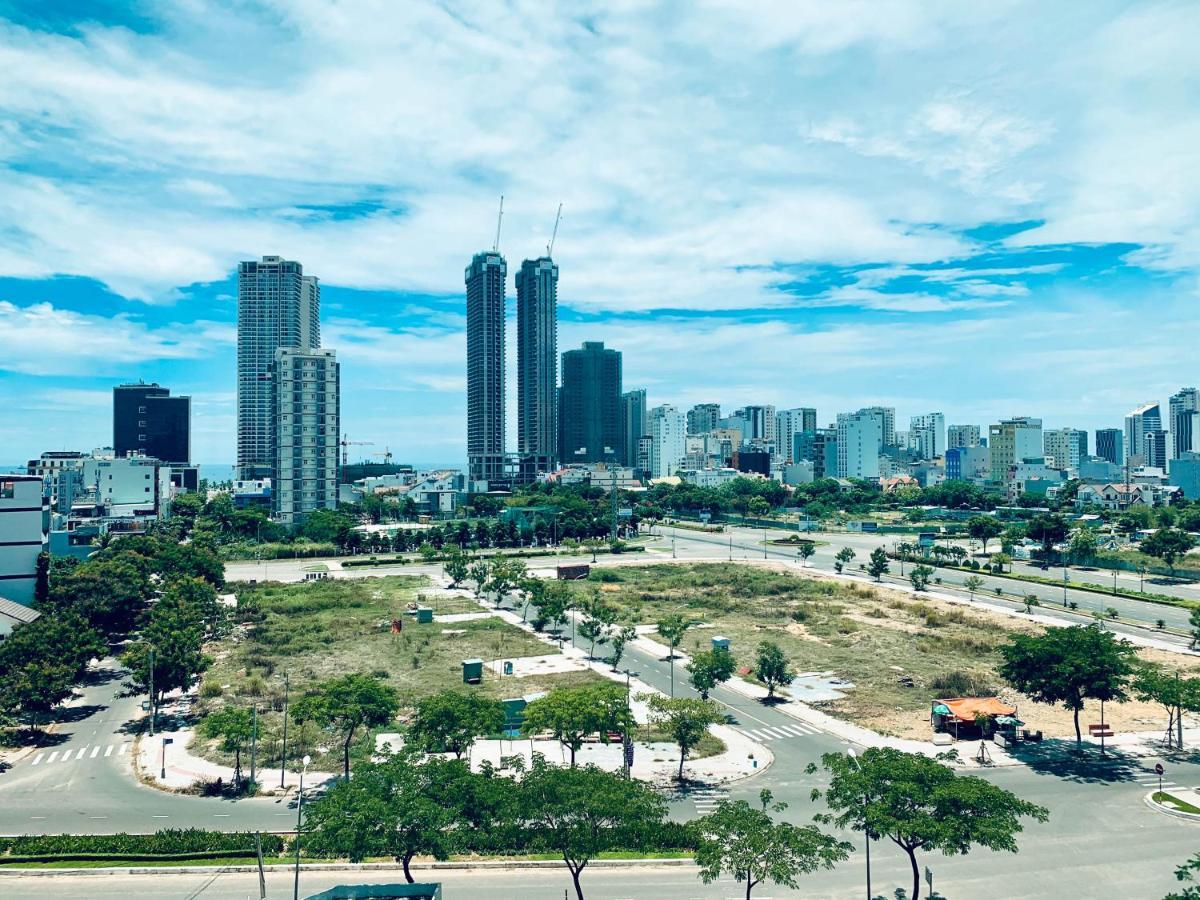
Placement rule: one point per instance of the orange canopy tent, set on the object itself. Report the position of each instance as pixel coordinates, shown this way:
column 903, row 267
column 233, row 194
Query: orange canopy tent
column 966, row 709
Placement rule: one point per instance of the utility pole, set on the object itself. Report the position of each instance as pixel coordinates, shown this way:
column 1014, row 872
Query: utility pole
column 283, row 760
column 254, row 744
column 152, row 707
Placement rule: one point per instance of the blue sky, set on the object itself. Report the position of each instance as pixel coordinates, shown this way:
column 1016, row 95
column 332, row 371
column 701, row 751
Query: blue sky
column 985, row 211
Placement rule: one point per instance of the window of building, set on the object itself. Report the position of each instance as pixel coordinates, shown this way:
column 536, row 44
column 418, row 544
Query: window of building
column 8, row 490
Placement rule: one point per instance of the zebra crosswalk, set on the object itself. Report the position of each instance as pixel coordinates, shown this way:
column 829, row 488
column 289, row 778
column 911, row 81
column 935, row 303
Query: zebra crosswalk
column 85, row 753
column 1150, row 780
column 779, row 732
column 706, row 799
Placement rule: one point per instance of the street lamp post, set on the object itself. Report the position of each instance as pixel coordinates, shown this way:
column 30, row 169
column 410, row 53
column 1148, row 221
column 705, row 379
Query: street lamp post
column 1065, row 580
column 299, row 817
column 283, row 759
column 152, row 709
column 866, row 830
column 254, row 747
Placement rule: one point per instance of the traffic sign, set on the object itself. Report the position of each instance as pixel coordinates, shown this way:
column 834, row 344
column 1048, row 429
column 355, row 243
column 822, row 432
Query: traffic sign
column 1158, row 767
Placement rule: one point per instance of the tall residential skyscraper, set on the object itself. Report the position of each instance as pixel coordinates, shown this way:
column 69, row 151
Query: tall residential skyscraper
column 1065, row 446
column 859, row 443
column 634, row 425
column 1142, row 421
column 1183, row 408
column 1110, row 445
column 962, row 436
column 1013, row 441
column 147, row 420
column 485, row 279
column 759, row 422
column 278, row 306
column 703, row 418
column 307, row 399
column 927, row 435
column 589, row 414
column 668, row 433
column 537, row 366
column 887, row 421
column 788, row 424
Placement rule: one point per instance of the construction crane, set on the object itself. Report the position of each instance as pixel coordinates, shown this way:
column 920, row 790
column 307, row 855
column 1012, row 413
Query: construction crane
column 554, row 233
column 386, row 454
column 347, row 444
column 499, row 219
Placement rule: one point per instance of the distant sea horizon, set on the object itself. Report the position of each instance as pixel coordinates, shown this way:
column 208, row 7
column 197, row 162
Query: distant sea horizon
column 225, row 471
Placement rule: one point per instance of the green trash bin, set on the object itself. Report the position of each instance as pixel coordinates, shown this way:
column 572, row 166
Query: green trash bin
column 720, row 643
column 472, row 671
column 424, row 615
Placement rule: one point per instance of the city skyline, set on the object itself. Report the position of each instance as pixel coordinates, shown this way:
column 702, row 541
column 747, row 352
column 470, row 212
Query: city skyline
column 936, row 235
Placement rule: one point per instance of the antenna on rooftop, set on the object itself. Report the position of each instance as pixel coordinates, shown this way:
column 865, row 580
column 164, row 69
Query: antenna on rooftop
column 499, row 219
column 554, row 234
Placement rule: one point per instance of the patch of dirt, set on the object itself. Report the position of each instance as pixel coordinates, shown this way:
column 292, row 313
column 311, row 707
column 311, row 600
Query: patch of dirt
column 801, row 631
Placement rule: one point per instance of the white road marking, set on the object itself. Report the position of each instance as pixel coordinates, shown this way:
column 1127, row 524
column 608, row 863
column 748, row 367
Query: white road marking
column 108, row 752
column 82, row 750
column 52, row 755
column 220, row 815
column 37, row 759
column 95, row 750
column 159, row 817
column 124, row 747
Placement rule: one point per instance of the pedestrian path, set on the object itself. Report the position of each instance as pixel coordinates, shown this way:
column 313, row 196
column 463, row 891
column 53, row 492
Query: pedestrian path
column 706, row 799
column 779, row 732
column 86, row 753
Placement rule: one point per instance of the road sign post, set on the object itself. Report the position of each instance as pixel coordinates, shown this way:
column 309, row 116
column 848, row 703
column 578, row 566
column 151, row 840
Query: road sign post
column 1158, row 767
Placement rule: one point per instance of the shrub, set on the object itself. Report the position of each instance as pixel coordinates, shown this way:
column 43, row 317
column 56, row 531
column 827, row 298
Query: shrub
column 210, row 690
column 960, row 684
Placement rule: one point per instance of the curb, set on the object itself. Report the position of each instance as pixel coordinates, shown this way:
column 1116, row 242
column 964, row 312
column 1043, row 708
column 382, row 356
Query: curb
column 1166, row 810
column 463, row 865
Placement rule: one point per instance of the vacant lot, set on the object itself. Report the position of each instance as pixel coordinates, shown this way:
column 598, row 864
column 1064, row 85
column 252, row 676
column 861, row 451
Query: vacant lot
column 878, row 639
column 322, row 629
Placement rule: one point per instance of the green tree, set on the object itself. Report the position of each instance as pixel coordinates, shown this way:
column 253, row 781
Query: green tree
column 619, row 639
column 597, row 616
column 1151, row 684
column 456, row 567
column 1068, row 666
column 552, row 610
column 747, row 844
column 173, row 638
column 877, row 564
column 843, row 558
column 1083, row 546
column 672, row 629
column 771, row 667
column 1048, row 529
column 972, row 583
column 400, row 807
column 343, row 705
column 806, row 550
column 1000, row 560
column 42, row 661
column 919, row 576
column 233, row 726
column 573, row 713
column 685, row 719
column 921, row 804
column 984, row 529
column 1194, row 626
column 1187, row 873
column 1168, row 544
column 327, row 526
column 450, row 721
column 578, row 812
column 708, row 668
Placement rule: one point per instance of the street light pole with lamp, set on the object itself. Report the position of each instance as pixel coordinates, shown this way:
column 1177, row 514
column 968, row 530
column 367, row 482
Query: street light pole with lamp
column 866, row 829
column 299, row 818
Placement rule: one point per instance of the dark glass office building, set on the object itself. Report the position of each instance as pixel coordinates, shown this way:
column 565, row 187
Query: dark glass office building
column 148, row 421
column 537, row 367
column 589, row 413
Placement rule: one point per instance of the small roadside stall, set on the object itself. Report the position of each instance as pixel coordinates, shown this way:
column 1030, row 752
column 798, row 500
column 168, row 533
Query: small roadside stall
column 974, row 718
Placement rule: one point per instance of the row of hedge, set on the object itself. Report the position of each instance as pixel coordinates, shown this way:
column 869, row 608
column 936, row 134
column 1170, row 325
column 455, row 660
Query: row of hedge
column 177, row 843
column 520, row 554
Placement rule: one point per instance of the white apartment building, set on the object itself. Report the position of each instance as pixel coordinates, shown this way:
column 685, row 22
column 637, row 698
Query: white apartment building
column 306, row 394
column 789, row 423
column 709, row 478
column 668, row 433
column 927, row 435
column 1012, row 441
column 22, row 536
column 859, row 441
column 1065, row 448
